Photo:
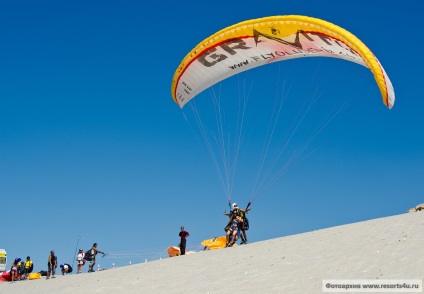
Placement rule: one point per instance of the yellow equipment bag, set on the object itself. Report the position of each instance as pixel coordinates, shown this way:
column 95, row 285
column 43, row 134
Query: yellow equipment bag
column 34, row 276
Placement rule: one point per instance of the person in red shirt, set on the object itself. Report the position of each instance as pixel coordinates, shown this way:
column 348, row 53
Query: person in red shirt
column 183, row 234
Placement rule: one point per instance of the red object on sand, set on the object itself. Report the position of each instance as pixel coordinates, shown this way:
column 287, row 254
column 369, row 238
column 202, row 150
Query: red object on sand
column 6, row 276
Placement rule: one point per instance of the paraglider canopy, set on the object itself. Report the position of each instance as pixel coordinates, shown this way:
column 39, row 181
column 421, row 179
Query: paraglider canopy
column 257, row 42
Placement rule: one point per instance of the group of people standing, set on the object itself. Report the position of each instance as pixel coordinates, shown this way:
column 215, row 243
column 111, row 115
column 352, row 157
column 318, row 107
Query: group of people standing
column 81, row 259
column 20, row 270
column 236, row 228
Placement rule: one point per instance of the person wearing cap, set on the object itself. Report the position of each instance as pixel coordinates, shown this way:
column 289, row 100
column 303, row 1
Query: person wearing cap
column 93, row 253
column 20, row 267
column 14, row 270
column 80, row 260
column 66, row 269
column 28, row 267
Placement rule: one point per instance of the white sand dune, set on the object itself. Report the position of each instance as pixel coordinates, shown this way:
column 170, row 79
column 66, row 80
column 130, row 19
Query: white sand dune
column 385, row 248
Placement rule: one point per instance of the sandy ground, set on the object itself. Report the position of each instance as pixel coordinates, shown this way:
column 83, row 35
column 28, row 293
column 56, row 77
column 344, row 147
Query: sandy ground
column 385, row 248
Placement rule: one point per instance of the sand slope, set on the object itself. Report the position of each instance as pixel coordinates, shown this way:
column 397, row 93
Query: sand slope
column 385, row 248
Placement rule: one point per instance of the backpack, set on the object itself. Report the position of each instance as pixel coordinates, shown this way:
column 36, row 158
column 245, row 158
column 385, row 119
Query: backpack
column 69, row 268
column 89, row 255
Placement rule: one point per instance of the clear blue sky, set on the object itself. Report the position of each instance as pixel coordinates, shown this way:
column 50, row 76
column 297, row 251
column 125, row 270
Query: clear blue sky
column 92, row 144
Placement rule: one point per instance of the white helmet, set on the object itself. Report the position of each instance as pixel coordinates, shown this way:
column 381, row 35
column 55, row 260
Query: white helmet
column 234, row 206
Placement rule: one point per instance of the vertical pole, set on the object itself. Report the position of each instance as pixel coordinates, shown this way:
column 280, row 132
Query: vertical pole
column 75, row 254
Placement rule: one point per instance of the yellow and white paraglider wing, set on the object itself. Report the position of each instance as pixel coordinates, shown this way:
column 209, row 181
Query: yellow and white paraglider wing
column 257, row 42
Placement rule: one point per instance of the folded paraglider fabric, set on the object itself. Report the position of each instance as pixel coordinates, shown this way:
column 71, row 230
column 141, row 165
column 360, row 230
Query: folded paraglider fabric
column 215, row 243
column 34, row 276
column 175, row 251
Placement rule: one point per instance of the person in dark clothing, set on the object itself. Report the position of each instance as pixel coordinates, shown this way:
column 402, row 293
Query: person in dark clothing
column 51, row 265
column 91, row 256
column 183, row 234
